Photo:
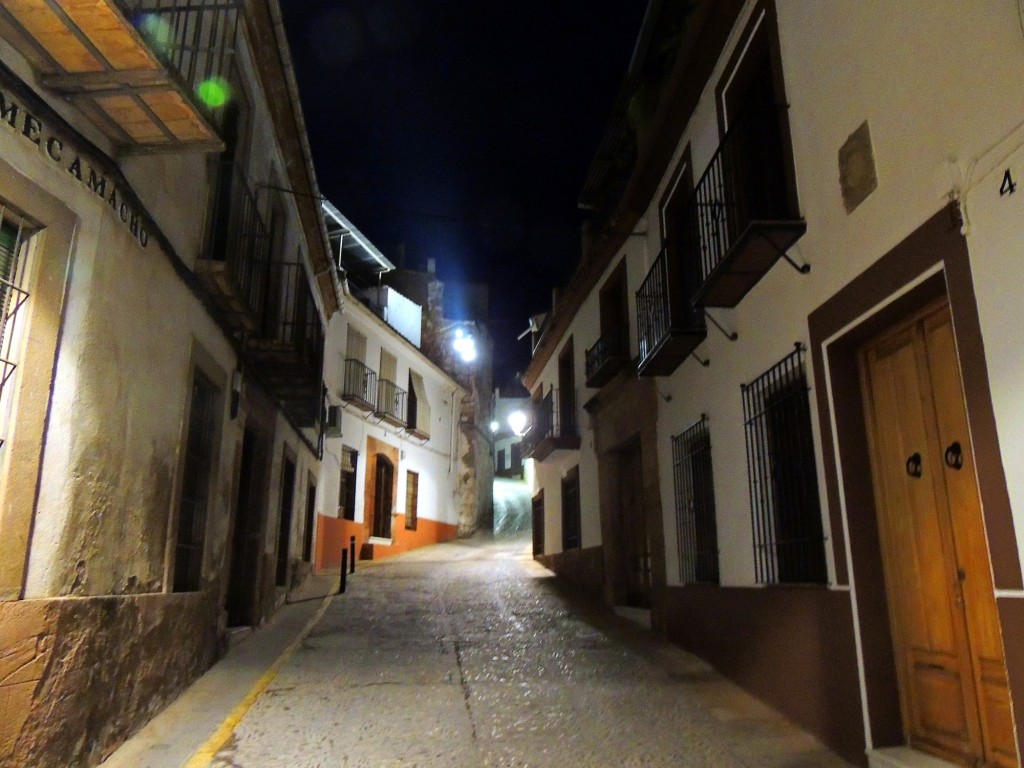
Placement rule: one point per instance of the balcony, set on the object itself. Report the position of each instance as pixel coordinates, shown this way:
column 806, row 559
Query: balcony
column 151, row 74
column 289, row 347
column 235, row 269
column 554, row 429
column 668, row 327
column 607, row 357
column 742, row 217
column 390, row 403
column 360, row 385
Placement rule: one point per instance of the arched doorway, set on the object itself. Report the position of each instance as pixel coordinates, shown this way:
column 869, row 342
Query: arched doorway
column 383, row 496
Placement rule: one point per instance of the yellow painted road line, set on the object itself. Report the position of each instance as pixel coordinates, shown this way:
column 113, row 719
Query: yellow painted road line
column 206, row 753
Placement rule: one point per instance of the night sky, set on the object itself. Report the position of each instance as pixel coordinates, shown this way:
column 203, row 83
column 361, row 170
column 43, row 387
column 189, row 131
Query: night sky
column 462, row 130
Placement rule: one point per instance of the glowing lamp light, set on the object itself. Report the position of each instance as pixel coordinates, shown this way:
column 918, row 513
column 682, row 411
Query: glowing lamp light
column 517, row 421
column 214, row 92
column 494, row 426
column 465, row 345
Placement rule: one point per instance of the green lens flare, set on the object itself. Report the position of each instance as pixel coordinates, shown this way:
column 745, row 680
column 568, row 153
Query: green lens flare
column 214, row 92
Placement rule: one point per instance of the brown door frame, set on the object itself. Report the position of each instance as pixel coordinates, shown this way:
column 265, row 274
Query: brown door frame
column 932, row 260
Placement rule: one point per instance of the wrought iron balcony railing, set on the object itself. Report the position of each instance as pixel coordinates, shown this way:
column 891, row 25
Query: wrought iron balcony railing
column 742, row 216
column 288, row 347
column 669, row 329
column 236, row 266
column 360, row 385
column 390, row 402
column 153, row 75
column 607, row 357
column 195, row 40
column 554, row 427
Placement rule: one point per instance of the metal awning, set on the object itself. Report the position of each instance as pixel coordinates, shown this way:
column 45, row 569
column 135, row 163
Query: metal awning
column 134, row 67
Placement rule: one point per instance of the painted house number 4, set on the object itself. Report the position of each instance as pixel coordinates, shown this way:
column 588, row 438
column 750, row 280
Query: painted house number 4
column 1009, row 186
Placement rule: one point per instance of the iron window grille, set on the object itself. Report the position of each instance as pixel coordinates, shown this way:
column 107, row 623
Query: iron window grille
column 696, row 527
column 347, row 485
column 15, row 232
column 571, row 533
column 199, row 464
column 785, row 507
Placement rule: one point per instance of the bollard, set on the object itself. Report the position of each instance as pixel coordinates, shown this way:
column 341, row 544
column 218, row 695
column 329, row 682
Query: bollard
column 352, row 554
column 344, row 571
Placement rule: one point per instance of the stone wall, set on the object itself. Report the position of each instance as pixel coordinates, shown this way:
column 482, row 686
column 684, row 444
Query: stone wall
column 80, row 675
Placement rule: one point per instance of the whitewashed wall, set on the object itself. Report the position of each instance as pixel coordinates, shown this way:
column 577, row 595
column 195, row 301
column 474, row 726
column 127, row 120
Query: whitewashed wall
column 435, row 461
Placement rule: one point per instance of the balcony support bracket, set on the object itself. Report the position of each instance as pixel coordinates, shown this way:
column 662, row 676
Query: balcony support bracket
column 803, row 269
column 703, row 361
column 730, row 335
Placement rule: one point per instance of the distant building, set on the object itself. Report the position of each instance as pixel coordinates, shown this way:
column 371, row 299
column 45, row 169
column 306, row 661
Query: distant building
column 440, row 343
column 393, row 471
column 508, row 448
column 778, row 405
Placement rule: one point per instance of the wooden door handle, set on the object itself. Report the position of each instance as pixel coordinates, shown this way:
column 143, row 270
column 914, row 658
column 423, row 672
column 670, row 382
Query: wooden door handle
column 914, row 465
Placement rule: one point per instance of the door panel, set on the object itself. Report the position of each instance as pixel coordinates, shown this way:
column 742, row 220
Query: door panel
column 946, row 632
column 972, row 557
column 928, row 632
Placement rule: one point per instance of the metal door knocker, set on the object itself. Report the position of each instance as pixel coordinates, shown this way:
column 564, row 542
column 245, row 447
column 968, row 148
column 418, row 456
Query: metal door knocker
column 955, row 456
column 914, row 465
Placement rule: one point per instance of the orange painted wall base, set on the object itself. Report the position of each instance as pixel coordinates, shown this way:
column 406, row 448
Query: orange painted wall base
column 334, row 534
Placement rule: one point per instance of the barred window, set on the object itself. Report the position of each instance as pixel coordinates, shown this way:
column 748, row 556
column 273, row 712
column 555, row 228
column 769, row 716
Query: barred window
column 347, row 488
column 696, row 528
column 200, row 462
column 15, row 233
column 785, row 509
column 571, row 538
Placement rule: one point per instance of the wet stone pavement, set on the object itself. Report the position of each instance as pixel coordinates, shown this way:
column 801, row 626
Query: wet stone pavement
column 469, row 654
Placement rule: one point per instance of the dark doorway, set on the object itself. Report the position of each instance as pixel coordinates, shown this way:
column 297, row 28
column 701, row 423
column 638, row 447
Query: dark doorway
column 384, row 478
column 307, row 534
column 635, row 548
column 285, row 520
column 245, row 541
column 538, row 523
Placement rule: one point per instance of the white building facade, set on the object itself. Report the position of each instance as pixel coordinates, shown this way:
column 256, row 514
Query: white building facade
column 393, row 475
column 778, row 404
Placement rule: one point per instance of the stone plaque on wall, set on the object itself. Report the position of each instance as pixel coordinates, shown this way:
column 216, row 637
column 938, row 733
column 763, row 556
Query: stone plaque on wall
column 857, row 177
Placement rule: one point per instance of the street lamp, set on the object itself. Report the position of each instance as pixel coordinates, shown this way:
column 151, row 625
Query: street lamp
column 517, row 421
column 465, row 345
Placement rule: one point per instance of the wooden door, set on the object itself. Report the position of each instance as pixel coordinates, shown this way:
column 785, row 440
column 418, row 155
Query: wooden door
column 383, row 499
column 635, row 551
column 946, row 632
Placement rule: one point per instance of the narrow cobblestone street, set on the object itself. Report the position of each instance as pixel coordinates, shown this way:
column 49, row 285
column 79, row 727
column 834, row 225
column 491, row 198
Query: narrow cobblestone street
column 469, row 654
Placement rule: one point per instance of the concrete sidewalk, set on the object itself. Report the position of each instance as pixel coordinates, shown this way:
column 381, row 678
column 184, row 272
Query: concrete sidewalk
column 173, row 737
